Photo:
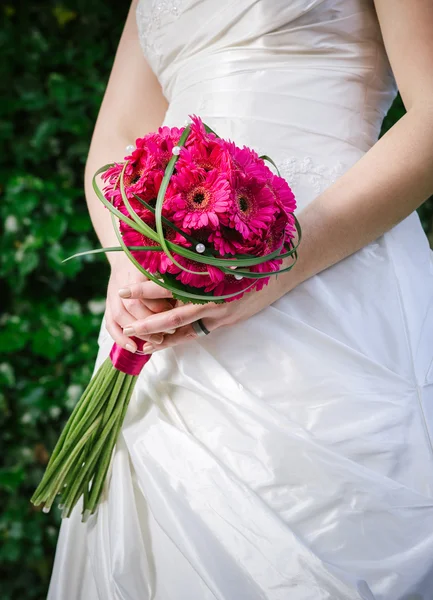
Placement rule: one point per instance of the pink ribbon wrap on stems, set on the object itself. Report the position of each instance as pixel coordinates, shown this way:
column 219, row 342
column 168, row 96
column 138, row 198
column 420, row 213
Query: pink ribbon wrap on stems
column 126, row 361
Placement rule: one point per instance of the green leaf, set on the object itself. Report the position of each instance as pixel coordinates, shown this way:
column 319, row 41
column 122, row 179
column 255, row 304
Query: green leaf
column 14, row 335
column 79, row 223
column 11, row 478
column 7, row 375
column 48, row 342
column 63, row 15
column 52, row 229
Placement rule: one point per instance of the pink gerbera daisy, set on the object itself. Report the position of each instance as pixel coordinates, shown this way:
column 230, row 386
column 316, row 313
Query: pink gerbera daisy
column 286, row 200
column 111, row 177
column 254, row 206
column 227, row 240
column 198, row 133
column 135, row 178
column 283, row 193
column 231, row 285
column 152, row 260
column 248, row 161
column 158, row 145
column 269, row 240
column 205, row 157
column 197, row 200
column 148, row 259
column 147, row 190
column 210, row 278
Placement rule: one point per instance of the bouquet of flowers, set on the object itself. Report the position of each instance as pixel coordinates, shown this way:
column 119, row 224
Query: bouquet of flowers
column 199, row 216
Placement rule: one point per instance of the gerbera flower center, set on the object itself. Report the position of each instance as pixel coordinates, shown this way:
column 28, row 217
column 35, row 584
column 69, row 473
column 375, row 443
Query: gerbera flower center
column 199, row 197
column 243, row 204
column 207, row 166
column 132, row 178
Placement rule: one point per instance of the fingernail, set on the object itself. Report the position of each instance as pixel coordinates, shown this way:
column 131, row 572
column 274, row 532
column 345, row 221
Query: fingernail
column 147, row 348
column 170, row 331
column 125, row 293
column 156, row 339
column 128, row 331
column 131, row 348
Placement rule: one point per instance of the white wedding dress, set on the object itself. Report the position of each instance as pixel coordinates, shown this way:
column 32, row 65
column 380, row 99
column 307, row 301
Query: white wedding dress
column 288, row 457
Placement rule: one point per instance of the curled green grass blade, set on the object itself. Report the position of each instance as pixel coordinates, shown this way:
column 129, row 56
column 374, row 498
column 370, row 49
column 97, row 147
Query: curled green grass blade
column 208, row 257
column 113, row 209
column 205, row 258
column 269, row 159
column 185, row 295
column 114, row 249
column 145, row 228
column 209, row 130
column 160, row 201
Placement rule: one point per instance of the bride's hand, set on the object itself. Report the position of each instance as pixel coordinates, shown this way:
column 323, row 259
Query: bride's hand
column 119, row 312
column 213, row 315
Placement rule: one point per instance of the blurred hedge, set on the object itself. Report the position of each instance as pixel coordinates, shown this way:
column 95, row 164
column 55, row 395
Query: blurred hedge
column 55, row 65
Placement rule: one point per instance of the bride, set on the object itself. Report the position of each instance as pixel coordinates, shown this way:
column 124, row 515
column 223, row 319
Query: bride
column 288, row 454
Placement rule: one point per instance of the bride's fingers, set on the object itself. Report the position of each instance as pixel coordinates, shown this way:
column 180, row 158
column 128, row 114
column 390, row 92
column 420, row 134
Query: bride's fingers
column 138, row 310
column 116, row 332
column 156, row 305
column 181, row 336
column 121, row 315
column 172, row 319
column 145, row 290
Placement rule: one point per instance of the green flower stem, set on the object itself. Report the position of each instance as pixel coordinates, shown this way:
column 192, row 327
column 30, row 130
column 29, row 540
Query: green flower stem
column 56, row 484
column 75, row 471
column 85, row 495
column 95, row 404
column 81, row 481
column 79, row 409
column 99, row 455
column 97, row 483
column 89, row 417
column 78, row 422
column 82, row 470
column 83, row 453
column 128, row 390
column 59, row 445
column 51, row 482
column 114, row 397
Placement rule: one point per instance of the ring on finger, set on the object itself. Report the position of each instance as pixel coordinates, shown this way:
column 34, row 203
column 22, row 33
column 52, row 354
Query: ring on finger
column 200, row 328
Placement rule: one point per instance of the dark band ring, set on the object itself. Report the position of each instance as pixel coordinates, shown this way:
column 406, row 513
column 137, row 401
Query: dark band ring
column 199, row 328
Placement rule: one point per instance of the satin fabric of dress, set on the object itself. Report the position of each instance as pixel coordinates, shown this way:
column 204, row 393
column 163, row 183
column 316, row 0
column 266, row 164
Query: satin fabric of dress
column 289, row 456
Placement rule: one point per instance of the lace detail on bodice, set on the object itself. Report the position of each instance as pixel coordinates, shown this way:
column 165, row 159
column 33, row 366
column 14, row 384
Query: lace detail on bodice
column 319, row 176
column 150, row 16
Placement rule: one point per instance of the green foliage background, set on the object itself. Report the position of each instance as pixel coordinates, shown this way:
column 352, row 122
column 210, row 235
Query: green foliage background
column 54, row 68
column 53, row 71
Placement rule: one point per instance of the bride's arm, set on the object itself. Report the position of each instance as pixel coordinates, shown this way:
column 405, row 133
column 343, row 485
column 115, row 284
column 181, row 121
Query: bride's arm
column 391, row 181
column 133, row 105
column 396, row 175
